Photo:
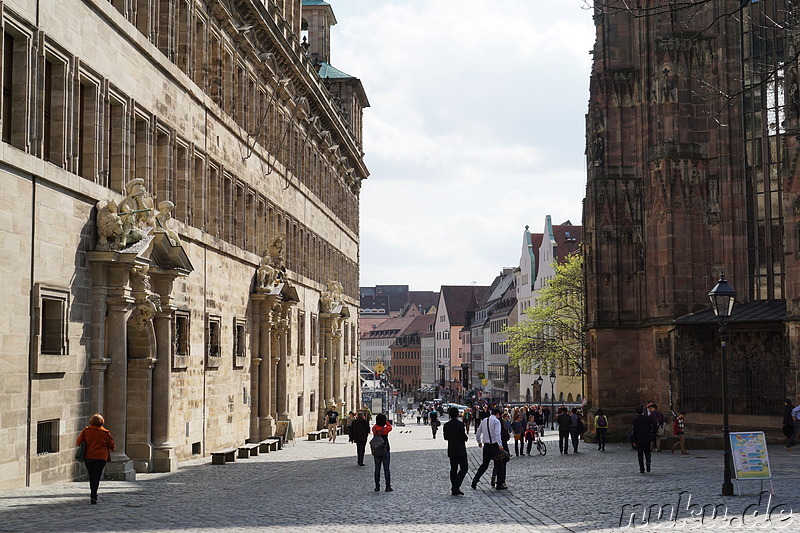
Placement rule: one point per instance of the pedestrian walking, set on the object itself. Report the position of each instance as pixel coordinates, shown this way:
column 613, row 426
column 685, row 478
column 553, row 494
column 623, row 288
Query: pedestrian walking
column 575, row 424
column 600, row 429
column 796, row 419
column 518, row 427
column 359, row 433
column 454, row 432
column 433, row 416
column 643, row 429
column 467, row 419
column 679, row 429
column 332, row 420
column 489, row 437
column 425, row 417
column 788, row 421
column 382, row 427
column 98, row 447
column 505, row 436
column 419, row 414
column 564, row 420
column 658, row 424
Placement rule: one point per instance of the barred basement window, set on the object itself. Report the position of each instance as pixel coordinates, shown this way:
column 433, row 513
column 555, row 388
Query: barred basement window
column 47, row 437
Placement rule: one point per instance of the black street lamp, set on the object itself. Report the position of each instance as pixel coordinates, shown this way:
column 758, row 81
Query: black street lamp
column 552, row 399
column 539, row 382
column 722, row 297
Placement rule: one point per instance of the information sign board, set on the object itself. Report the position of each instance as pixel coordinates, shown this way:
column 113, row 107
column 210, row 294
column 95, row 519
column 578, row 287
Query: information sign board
column 749, row 455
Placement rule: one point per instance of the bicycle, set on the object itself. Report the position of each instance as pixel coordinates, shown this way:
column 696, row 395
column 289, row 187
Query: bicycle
column 541, row 447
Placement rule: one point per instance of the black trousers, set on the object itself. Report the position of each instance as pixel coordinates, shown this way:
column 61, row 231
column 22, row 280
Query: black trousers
column 384, row 461
column 563, row 440
column 458, row 471
column 489, row 451
column 95, row 468
column 360, row 447
column 643, row 451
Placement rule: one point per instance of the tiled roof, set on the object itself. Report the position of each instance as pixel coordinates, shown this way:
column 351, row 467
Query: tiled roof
column 459, row 299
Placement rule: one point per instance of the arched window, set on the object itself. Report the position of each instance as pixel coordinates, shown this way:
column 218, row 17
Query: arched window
column 569, row 398
column 578, row 398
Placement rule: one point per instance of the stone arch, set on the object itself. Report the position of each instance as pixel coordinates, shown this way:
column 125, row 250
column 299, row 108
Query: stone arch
column 569, row 398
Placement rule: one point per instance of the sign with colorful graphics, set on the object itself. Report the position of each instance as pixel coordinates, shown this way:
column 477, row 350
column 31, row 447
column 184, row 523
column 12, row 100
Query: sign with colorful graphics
column 749, row 455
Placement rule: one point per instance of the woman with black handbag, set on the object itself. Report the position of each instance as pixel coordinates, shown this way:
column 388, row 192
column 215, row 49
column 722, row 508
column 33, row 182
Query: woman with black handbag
column 98, row 444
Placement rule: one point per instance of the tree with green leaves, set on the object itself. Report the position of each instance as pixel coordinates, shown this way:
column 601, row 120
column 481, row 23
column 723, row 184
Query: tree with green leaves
column 551, row 334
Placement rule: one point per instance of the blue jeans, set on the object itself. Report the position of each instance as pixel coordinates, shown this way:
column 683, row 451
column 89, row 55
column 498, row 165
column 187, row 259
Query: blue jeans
column 382, row 460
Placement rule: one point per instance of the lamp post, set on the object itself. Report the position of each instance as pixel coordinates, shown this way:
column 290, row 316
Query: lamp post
column 539, row 382
column 552, row 399
column 722, row 297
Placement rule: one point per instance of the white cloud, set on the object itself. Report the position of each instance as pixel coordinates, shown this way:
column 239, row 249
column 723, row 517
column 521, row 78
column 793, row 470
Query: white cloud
column 476, row 129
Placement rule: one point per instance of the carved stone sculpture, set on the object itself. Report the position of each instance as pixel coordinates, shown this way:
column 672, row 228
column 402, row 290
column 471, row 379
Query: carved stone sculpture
column 162, row 220
column 109, row 226
column 136, row 211
column 332, row 297
column 147, row 303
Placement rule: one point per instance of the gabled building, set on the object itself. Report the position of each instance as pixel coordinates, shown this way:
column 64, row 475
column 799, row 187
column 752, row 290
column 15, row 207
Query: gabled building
column 495, row 312
column 555, row 243
column 455, row 304
column 406, row 355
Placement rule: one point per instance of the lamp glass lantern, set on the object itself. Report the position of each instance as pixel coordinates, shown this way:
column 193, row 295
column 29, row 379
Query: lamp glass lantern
column 722, row 297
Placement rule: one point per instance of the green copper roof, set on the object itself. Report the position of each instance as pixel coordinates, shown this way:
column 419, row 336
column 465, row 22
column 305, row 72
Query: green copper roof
column 315, row 3
column 326, row 70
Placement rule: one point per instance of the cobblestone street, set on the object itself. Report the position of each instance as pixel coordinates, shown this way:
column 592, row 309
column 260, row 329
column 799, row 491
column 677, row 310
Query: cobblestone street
column 317, row 486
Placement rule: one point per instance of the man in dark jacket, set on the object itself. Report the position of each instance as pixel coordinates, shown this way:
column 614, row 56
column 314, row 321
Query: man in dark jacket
column 643, row 429
column 564, row 422
column 359, row 432
column 454, row 432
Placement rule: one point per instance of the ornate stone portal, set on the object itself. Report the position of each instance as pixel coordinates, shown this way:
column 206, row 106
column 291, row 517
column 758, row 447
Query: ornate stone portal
column 273, row 298
column 134, row 265
column 333, row 314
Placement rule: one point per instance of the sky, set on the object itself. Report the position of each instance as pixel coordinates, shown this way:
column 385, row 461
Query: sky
column 475, row 129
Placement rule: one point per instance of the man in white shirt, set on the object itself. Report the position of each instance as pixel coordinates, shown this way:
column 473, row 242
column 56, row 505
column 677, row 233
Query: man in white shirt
column 489, row 438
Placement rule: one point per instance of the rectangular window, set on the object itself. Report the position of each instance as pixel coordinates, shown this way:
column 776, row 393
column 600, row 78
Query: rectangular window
column 313, row 347
column 300, row 404
column 301, row 337
column 312, row 401
column 47, row 437
column 15, row 85
column 51, row 337
column 213, row 348
column 239, row 343
column 180, row 336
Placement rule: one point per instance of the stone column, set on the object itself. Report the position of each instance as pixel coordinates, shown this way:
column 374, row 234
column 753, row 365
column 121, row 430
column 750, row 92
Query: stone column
column 266, row 423
column 98, row 363
column 255, row 361
column 328, row 331
column 164, row 458
column 336, row 338
column 116, row 389
column 281, row 377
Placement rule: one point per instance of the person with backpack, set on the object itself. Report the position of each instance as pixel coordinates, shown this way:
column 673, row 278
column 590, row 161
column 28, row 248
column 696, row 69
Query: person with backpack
column 454, row 432
column 601, row 428
column 434, row 418
column 381, row 452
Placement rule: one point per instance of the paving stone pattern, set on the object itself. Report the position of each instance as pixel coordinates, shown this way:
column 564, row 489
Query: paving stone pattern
column 317, row 486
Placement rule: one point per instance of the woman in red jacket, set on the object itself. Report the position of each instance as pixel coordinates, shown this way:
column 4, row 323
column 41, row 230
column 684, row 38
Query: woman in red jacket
column 382, row 427
column 99, row 445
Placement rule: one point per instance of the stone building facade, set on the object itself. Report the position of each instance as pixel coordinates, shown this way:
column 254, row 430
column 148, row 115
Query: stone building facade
column 691, row 151
column 179, row 224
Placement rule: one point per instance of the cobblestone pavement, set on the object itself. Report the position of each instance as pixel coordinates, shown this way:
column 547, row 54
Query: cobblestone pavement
column 317, row 486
